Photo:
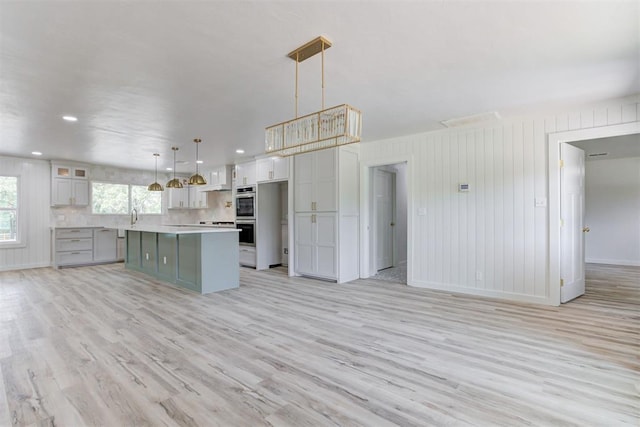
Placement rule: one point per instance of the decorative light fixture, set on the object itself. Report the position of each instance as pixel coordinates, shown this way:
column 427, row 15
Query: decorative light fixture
column 335, row 126
column 175, row 182
column 156, row 185
column 197, row 179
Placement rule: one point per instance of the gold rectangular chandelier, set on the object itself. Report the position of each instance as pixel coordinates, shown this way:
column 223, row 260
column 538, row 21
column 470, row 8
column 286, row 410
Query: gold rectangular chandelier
column 331, row 127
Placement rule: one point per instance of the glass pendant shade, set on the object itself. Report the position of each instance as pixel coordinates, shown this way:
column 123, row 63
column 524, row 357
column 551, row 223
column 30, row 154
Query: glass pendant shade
column 175, row 182
column 196, row 178
column 156, row 185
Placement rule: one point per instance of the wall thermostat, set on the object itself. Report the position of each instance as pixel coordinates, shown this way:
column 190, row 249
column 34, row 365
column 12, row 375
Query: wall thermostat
column 463, row 188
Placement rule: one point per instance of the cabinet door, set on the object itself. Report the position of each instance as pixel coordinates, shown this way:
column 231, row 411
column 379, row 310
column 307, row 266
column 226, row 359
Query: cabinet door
column 326, row 188
column 280, row 168
column 177, row 198
column 326, row 248
column 303, row 191
column 80, row 192
column 264, row 170
column 188, row 270
column 216, row 176
column 167, row 263
column 80, row 173
column 104, row 244
column 245, row 174
column 304, row 253
column 133, row 249
column 149, row 245
column 62, row 193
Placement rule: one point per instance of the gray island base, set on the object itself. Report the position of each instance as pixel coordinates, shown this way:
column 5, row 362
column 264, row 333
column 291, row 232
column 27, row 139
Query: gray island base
column 199, row 259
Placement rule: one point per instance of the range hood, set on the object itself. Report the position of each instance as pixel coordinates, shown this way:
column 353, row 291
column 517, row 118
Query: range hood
column 219, row 179
column 216, row 187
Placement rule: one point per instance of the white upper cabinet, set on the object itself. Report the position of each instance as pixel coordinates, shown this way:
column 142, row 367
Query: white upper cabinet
column 69, row 185
column 188, row 197
column 272, row 169
column 245, row 174
column 316, row 184
column 220, row 177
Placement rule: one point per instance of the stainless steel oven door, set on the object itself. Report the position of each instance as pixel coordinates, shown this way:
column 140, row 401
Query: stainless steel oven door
column 247, row 235
column 245, row 205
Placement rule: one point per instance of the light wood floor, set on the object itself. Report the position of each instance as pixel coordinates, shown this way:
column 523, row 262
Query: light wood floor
column 103, row 346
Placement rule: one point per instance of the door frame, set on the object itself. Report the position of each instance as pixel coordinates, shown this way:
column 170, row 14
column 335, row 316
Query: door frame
column 367, row 250
column 554, row 140
column 374, row 218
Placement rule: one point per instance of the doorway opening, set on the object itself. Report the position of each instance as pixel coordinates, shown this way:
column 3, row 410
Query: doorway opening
column 567, row 246
column 388, row 213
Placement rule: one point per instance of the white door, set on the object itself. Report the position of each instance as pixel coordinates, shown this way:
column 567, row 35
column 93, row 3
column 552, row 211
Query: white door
column 384, row 200
column 572, row 222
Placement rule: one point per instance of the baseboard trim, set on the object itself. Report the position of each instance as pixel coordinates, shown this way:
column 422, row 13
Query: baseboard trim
column 482, row 292
column 24, row 266
column 625, row 262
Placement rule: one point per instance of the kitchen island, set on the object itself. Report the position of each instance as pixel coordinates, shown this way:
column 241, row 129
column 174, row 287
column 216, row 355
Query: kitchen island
column 200, row 259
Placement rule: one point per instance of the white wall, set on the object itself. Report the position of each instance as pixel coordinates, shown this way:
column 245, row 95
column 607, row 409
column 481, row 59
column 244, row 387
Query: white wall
column 613, row 211
column 35, row 182
column 492, row 240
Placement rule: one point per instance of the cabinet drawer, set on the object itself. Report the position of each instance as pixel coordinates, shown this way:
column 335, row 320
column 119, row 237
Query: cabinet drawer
column 74, row 244
column 74, row 257
column 74, row 233
column 248, row 256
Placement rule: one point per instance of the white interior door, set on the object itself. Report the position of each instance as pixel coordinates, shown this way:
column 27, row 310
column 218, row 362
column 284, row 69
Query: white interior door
column 384, row 200
column 572, row 222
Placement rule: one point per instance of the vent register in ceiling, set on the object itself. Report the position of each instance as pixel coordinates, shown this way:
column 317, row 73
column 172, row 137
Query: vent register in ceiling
column 331, row 127
column 195, row 179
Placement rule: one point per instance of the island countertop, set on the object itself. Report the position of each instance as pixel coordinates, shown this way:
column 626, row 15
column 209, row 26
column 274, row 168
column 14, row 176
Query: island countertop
column 173, row 229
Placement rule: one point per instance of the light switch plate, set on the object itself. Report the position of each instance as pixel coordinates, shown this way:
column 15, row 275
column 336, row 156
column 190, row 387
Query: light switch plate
column 422, row 211
column 541, row 202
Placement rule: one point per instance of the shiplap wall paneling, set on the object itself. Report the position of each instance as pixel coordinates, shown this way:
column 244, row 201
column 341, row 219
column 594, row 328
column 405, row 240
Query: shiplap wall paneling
column 496, row 229
column 33, row 210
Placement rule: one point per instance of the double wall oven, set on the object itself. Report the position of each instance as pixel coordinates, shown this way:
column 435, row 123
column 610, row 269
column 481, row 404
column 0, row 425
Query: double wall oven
column 246, row 215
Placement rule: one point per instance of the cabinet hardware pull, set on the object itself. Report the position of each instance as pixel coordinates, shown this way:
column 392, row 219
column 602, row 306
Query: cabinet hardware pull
column 313, row 218
column 75, row 253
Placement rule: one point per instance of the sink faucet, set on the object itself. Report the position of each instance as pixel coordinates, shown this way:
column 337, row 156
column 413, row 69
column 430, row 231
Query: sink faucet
column 134, row 216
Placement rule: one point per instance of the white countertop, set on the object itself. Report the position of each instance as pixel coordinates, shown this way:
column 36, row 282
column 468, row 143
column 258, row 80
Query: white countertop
column 172, row 229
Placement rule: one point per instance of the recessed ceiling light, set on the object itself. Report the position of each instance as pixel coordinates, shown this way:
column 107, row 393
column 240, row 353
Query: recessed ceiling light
column 169, row 169
column 36, row 153
column 240, row 151
column 70, row 118
column 199, row 162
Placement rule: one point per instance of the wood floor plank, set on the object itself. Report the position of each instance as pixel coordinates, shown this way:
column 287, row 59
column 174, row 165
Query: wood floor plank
column 106, row 346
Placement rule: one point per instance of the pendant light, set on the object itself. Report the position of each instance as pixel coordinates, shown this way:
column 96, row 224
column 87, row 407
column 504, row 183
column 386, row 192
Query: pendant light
column 197, row 179
column 175, row 182
column 156, row 185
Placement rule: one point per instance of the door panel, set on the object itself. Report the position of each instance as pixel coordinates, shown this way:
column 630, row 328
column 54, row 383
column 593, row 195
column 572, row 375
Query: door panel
column 572, row 215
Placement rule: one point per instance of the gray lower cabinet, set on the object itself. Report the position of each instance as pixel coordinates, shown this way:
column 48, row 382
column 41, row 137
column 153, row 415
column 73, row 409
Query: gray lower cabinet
column 83, row 246
column 149, row 248
column 132, row 259
column 167, row 252
column 189, row 256
column 201, row 262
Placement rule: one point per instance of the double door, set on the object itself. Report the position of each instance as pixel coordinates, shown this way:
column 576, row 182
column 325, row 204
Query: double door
column 316, row 244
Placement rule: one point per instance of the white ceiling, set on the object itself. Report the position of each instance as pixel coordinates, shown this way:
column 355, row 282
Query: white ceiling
column 143, row 76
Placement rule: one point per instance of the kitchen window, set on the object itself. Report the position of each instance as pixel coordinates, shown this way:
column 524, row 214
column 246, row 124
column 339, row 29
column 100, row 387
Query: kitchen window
column 120, row 199
column 145, row 201
column 9, row 214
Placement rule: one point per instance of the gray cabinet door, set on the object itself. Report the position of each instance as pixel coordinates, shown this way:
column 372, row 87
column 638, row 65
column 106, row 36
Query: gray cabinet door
column 167, row 261
column 148, row 243
column 189, row 272
column 133, row 249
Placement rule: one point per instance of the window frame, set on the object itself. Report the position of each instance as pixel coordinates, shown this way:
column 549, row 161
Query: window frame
column 20, row 241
